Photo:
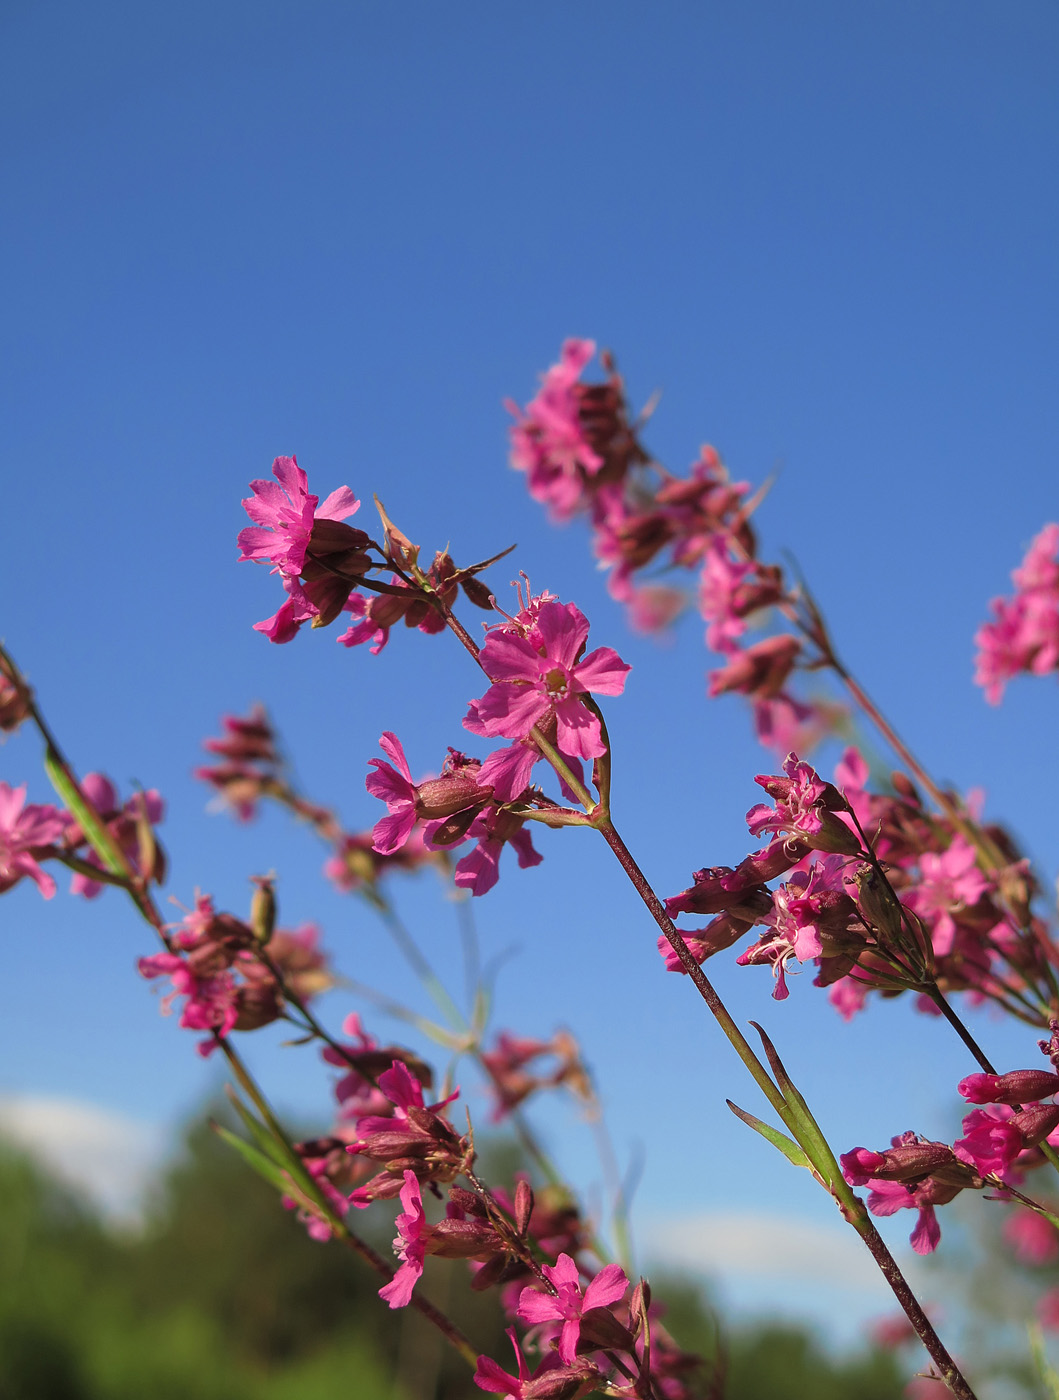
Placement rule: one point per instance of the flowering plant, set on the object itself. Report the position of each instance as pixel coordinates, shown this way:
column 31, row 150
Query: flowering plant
column 886, row 888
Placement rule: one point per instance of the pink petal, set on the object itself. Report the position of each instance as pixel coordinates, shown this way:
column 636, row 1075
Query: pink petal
column 479, row 870
column 403, row 1089
column 563, row 628
column 510, row 711
column 528, row 855
column 563, row 1271
column 578, row 730
column 506, row 657
column 391, row 746
column 606, row 1288
column 398, row 1292
column 388, row 785
column 603, row 672
column 491, row 1376
column 291, row 477
column 927, row 1234
column 507, row 771
column 568, row 1339
column 338, row 505
column 535, row 1306
column 390, row 833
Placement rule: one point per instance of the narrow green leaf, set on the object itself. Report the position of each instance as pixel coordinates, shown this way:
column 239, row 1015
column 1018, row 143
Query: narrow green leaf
column 99, row 838
column 480, row 1013
column 265, row 1140
column 264, row 1166
column 784, row 1144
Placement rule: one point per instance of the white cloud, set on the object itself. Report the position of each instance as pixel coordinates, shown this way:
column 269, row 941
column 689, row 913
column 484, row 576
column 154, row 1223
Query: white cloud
column 756, row 1244
column 109, row 1157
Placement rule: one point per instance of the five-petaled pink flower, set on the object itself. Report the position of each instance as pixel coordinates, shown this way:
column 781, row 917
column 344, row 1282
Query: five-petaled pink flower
column 546, row 674
column 568, row 1303
column 284, row 511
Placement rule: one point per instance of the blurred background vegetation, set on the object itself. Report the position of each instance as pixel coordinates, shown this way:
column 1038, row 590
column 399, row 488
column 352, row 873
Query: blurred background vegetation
column 222, row 1295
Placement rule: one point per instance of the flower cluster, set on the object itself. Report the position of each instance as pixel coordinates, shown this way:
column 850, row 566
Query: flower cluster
column 511, row 1079
column 31, row 833
column 250, row 765
column 231, row 976
column 876, row 917
column 1024, row 633
column 999, row 1145
column 539, row 698
column 323, row 563
column 581, row 453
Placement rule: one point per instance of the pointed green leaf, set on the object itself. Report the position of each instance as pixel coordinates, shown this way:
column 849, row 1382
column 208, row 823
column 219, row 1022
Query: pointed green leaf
column 99, row 838
column 265, row 1140
column 264, row 1166
column 784, row 1144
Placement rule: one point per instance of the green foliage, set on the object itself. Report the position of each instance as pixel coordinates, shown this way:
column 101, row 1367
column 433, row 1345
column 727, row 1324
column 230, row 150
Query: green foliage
column 224, row 1297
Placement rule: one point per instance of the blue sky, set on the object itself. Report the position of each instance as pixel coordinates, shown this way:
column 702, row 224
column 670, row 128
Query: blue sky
column 825, row 232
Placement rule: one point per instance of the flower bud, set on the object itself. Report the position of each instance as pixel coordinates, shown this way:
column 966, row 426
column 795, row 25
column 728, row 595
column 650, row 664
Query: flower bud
column 441, row 797
column 1019, row 1086
column 523, row 1205
column 876, row 901
column 263, row 908
column 14, row 706
column 1037, row 1122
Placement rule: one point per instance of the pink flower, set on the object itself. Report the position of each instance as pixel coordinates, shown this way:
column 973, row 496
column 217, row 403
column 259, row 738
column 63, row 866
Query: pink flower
column 24, row 830
column 546, row 676
column 548, row 442
column 212, row 1000
column 948, row 884
column 550, row 1381
column 455, row 791
column 410, row 1245
column 568, row 1303
column 805, row 808
column 284, row 514
column 480, row 869
column 759, row 671
column 888, row 1197
column 1024, row 633
column 991, row 1142
column 1048, row 1310
column 1033, row 1238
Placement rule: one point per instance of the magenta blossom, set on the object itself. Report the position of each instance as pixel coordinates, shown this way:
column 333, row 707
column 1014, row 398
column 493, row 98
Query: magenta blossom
column 456, row 790
column 948, row 884
column 544, row 676
column 550, row 1381
column 569, row 1303
column 806, row 808
column 25, row 829
column 1024, row 633
column 212, row 999
column 548, row 441
column 1033, row 1238
column 480, row 869
column 991, row 1141
column 410, row 1245
column 284, row 512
